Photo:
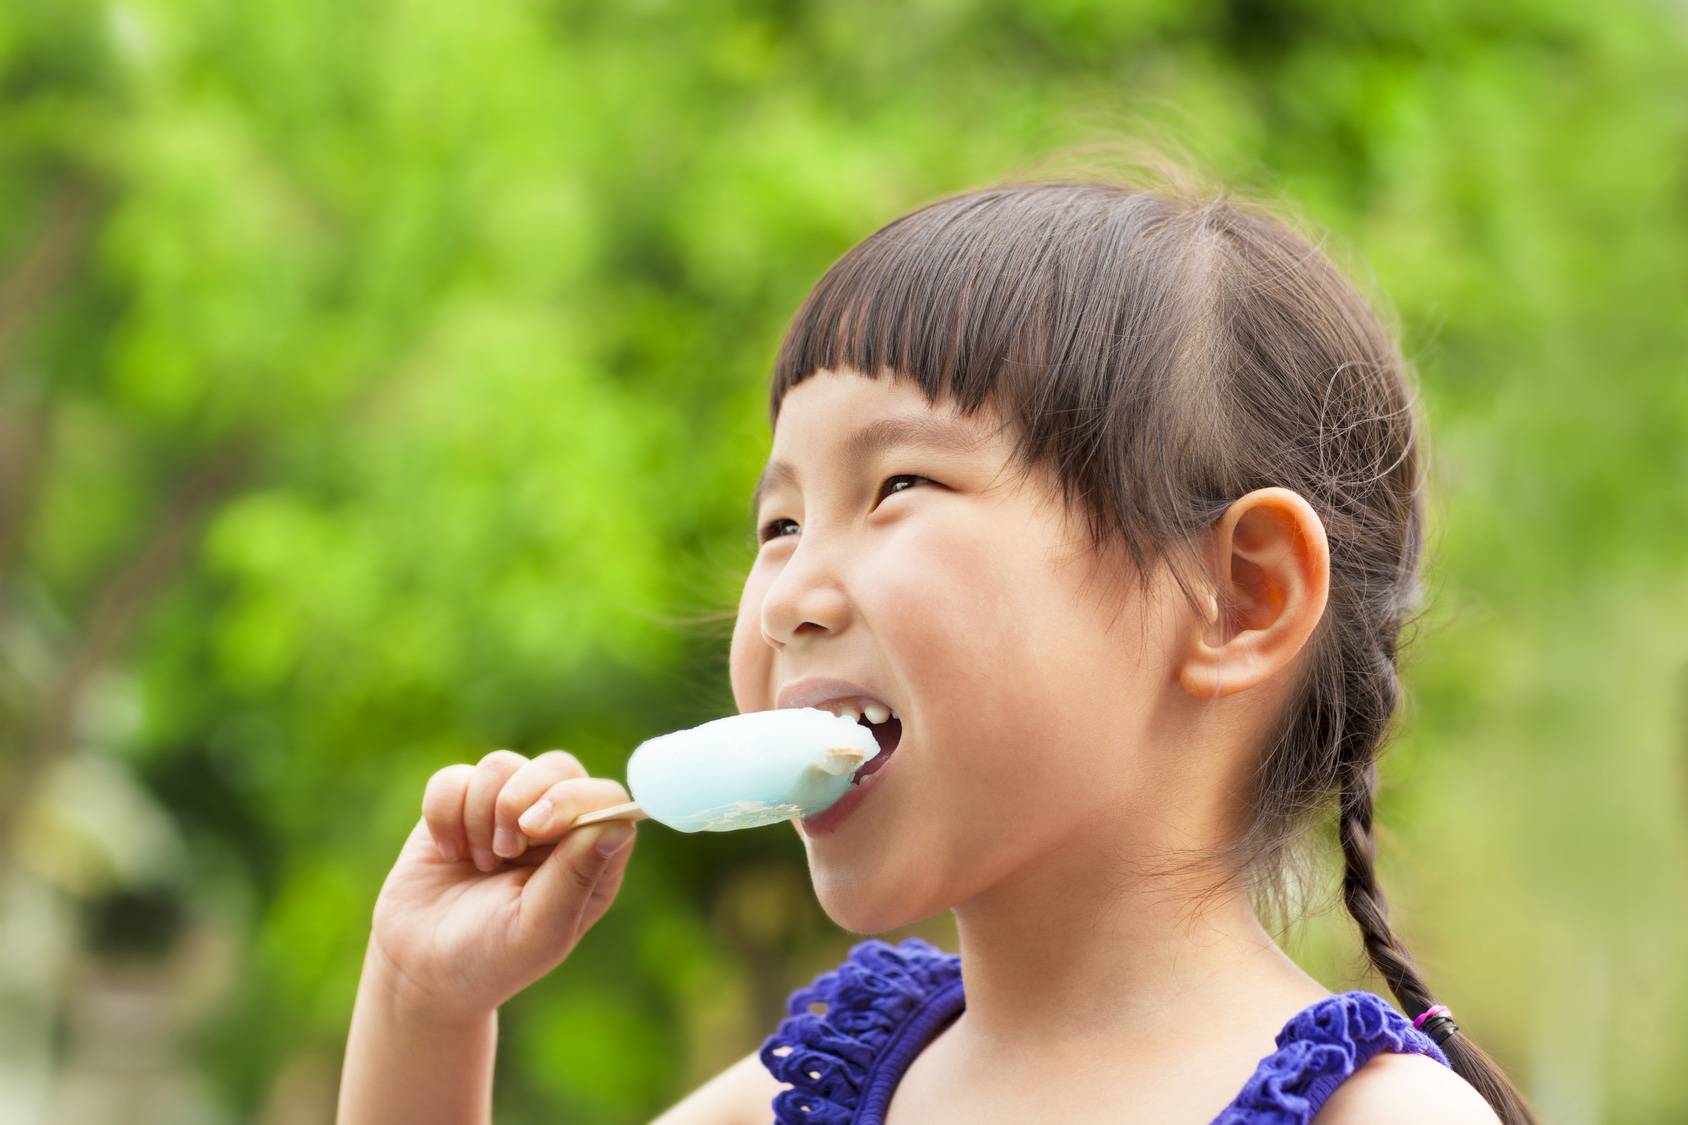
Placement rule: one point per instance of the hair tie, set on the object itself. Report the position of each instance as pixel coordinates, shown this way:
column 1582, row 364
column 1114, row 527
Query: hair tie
column 1440, row 1026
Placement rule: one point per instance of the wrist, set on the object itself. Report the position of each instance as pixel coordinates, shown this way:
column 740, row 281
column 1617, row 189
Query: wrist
column 403, row 998
column 411, row 1058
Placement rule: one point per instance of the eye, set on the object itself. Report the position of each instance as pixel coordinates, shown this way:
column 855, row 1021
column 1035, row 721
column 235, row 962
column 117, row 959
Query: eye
column 768, row 532
column 899, row 476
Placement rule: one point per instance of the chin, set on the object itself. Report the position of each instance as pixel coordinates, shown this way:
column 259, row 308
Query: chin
column 864, row 919
column 866, row 903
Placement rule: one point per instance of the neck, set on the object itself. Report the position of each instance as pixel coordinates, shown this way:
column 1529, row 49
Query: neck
column 1047, row 961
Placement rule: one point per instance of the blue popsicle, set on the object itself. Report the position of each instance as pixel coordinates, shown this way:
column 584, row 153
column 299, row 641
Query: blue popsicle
column 745, row 770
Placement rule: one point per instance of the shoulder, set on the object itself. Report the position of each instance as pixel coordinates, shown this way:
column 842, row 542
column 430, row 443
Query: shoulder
column 742, row 1094
column 1396, row 1088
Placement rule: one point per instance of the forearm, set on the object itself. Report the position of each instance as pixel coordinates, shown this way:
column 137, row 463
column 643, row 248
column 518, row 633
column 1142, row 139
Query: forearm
column 406, row 1064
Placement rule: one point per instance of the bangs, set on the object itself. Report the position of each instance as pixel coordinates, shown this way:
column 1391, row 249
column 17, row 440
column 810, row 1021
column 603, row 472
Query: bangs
column 1069, row 307
column 929, row 298
column 972, row 296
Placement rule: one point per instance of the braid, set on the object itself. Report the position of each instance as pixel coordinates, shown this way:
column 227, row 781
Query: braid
column 1357, row 763
column 1364, row 898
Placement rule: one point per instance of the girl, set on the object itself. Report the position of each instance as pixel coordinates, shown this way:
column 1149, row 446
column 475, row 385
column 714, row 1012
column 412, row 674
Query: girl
column 1113, row 493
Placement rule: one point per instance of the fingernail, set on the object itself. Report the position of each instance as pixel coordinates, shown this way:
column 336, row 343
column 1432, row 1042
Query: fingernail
column 535, row 818
column 484, row 859
column 505, row 843
column 614, row 839
column 448, row 850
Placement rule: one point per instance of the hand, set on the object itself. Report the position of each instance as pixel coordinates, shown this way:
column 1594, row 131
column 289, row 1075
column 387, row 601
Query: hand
column 459, row 938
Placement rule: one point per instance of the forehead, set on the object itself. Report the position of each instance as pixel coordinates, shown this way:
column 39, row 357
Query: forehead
column 809, row 409
column 847, row 417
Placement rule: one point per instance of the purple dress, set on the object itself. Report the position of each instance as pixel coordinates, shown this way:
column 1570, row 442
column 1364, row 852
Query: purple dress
column 885, row 1002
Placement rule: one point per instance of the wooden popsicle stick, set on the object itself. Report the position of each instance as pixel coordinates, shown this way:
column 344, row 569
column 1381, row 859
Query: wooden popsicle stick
column 628, row 811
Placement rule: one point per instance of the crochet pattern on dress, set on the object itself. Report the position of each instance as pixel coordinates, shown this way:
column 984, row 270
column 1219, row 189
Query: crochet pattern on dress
column 842, row 1029
column 1319, row 1047
column 828, row 1055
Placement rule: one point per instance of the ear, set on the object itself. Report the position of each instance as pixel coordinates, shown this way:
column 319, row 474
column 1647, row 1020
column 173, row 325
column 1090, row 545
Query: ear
column 1272, row 558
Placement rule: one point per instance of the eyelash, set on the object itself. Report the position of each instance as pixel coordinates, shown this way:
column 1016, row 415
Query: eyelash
column 762, row 535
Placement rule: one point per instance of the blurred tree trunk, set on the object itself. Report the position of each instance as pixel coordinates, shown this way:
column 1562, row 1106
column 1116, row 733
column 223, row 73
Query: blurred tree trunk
column 136, row 577
column 38, row 721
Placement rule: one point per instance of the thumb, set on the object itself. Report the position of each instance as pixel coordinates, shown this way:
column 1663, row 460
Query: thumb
column 555, row 900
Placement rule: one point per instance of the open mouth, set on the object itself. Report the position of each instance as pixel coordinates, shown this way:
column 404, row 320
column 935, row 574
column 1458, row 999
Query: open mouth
column 887, row 734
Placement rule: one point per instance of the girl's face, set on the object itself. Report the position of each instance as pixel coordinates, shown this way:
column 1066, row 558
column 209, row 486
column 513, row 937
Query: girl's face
column 968, row 599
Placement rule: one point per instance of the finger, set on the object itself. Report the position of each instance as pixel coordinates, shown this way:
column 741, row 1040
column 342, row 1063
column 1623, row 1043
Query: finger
column 491, row 772
column 554, row 901
column 524, row 787
column 609, row 885
column 559, row 805
column 532, row 856
column 442, row 810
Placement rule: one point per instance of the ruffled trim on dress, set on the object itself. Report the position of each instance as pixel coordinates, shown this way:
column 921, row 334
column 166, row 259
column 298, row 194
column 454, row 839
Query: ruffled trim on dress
column 1319, row 1047
column 828, row 1056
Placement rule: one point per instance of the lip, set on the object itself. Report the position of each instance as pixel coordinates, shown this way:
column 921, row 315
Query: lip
column 813, row 691
column 832, row 818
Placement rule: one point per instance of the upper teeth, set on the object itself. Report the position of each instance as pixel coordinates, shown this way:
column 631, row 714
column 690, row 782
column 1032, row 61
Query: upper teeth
column 875, row 712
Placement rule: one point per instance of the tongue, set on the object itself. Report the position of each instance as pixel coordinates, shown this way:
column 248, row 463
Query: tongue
column 872, row 767
column 887, row 734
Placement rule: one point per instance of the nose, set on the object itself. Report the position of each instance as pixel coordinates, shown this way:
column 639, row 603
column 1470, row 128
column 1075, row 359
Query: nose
column 806, row 595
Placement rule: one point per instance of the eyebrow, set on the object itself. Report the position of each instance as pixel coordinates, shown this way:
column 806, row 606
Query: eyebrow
column 886, row 433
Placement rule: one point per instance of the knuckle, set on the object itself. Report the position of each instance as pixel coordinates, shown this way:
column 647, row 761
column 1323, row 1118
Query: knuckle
column 501, row 759
column 444, row 787
column 562, row 801
column 563, row 761
column 446, row 775
column 585, row 879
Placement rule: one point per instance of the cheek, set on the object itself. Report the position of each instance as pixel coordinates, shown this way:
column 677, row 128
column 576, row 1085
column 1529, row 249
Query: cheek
column 749, row 658
column 959, row 603
column 994, row 650
column 959, row 612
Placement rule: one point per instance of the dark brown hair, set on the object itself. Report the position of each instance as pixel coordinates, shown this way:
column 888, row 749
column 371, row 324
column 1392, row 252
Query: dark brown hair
column 1166, row 347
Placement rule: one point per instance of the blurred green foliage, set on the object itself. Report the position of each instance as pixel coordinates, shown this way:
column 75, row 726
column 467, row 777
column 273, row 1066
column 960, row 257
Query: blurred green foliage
column 382, row 383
